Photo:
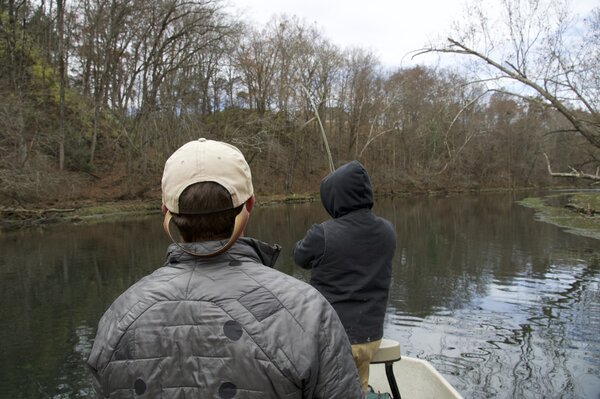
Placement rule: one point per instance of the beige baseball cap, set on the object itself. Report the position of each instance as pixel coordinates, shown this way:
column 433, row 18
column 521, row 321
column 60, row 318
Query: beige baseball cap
column 205, row 160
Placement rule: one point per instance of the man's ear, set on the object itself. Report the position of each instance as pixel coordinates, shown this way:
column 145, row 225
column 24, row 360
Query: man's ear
column 250, row 203
column 163, row 209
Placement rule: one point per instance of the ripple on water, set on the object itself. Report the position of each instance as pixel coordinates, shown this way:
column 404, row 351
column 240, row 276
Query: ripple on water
column 532, row 336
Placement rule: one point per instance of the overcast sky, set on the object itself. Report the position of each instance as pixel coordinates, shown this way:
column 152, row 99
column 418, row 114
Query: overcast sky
column 391, row 28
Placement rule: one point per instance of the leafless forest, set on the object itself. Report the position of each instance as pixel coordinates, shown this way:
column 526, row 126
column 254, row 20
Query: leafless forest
column 95, row 95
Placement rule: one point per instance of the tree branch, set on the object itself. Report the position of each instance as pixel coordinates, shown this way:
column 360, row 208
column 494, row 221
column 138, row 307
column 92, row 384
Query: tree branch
column 591, row 135
column 574, row 172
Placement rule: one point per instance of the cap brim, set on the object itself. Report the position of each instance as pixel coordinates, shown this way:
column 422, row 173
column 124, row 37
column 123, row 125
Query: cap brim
column 240, row 223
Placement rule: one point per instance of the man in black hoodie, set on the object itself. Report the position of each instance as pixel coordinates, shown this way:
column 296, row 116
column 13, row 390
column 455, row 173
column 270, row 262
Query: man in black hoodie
column 351, row 259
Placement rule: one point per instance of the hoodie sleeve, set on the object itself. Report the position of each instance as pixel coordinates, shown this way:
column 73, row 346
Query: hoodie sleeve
column 309, row 250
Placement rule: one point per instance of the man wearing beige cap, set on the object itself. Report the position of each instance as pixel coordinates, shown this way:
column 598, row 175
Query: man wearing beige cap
column 217, row 321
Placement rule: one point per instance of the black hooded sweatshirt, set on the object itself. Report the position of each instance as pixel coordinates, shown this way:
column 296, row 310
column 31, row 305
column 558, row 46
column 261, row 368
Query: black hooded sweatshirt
column 351, row 254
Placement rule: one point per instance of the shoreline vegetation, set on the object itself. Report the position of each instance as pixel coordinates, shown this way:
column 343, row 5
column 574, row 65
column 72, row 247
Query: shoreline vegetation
column 577, row 211
column 90, row 212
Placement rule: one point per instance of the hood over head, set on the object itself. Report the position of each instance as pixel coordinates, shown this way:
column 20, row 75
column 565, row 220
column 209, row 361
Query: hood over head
column 347, row 189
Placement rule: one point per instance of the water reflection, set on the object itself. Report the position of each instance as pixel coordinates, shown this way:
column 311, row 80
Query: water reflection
column 54, row 286
column 502, row 305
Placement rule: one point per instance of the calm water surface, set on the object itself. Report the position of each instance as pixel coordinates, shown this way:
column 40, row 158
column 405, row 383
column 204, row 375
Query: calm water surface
column 502, row 305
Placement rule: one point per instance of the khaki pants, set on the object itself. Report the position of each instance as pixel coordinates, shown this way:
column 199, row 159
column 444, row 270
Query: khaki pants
column 362, row 354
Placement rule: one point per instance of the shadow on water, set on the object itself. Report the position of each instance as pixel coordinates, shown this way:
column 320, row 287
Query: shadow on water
column 504, row 306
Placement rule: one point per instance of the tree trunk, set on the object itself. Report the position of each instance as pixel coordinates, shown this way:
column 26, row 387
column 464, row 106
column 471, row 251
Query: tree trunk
column 94, row 134
column 61, row 70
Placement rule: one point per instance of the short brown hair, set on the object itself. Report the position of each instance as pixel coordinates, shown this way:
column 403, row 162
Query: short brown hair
column 206, row 213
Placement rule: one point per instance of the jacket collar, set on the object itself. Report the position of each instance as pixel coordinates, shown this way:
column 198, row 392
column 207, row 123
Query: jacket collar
column 244, row 247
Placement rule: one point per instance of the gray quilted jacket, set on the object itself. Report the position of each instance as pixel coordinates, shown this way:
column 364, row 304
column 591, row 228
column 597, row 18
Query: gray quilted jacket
column 226, row 327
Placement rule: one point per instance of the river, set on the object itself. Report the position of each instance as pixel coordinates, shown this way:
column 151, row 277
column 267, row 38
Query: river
column 502, row 305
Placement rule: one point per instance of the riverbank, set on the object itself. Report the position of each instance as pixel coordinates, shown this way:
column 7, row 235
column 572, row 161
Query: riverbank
column 576, row 211
column 18, row 218
column 93, row 212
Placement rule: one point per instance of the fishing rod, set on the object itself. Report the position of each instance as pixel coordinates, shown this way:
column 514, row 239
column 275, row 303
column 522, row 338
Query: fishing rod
column 323, row 135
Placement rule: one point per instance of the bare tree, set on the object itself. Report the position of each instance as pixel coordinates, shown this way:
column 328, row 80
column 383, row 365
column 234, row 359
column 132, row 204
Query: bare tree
column 534, row 52
column 105, row 35
column 358, row 86
column 60, row 28
column 256, row 59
